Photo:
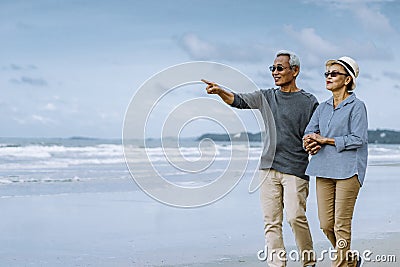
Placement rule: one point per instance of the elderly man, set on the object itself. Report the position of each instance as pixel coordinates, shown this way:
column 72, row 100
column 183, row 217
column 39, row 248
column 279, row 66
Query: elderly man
column 284, row 182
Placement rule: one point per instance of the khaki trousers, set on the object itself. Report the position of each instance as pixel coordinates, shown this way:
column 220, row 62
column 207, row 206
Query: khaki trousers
column 277, row 191
column 336, row 199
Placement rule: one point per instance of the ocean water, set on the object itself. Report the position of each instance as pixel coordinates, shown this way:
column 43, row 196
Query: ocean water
column 77, row 165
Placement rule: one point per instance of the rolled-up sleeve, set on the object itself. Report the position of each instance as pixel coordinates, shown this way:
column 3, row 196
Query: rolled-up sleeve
column 239, row 103
column 347, row 124
column 358, row 130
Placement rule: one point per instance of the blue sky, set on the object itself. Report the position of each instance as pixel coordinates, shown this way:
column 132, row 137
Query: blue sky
column 70, row 68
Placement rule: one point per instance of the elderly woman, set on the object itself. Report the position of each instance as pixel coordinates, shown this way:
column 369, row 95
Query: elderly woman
column 337, row 139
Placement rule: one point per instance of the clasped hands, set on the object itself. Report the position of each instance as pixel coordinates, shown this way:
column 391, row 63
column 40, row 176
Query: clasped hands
column 312, row 143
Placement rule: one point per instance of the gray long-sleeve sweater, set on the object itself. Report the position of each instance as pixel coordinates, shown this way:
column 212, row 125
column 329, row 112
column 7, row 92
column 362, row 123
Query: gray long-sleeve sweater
column 291, row 113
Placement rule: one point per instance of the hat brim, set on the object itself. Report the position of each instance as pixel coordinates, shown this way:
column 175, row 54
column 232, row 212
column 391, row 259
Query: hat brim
column 334, row 61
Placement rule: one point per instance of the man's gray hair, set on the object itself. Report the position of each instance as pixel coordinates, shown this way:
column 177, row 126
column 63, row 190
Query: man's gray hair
column 293, row 58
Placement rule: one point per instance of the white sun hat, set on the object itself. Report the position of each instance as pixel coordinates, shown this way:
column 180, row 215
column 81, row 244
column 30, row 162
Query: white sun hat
column 349, row 64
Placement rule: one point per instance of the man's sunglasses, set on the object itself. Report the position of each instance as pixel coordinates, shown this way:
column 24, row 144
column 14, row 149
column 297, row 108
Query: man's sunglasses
column 278, row 68
column 334, row 74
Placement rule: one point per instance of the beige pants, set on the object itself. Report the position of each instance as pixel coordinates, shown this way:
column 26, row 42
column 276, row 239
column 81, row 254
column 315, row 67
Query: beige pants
column 283, row 190
column 336, row 199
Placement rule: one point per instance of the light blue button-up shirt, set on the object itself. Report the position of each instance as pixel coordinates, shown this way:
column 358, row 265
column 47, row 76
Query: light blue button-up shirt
column 348, row 125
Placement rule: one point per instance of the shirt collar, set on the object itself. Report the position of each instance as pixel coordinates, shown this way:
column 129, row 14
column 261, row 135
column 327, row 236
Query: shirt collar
column 348, row 100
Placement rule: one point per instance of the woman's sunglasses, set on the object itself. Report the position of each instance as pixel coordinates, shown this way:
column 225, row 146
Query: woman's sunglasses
column 334, row 74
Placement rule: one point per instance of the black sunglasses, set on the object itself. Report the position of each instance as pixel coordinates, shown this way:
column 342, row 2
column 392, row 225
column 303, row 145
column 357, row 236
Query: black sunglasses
column 334, row 74
column 278, row 68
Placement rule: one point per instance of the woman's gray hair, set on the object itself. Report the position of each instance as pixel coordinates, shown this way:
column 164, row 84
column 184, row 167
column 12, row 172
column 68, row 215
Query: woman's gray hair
column 293, row 58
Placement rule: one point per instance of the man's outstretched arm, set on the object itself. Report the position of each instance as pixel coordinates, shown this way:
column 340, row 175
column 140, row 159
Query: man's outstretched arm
column 213, row 88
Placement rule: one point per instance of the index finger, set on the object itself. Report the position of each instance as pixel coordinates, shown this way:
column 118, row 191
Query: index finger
column 207, row 82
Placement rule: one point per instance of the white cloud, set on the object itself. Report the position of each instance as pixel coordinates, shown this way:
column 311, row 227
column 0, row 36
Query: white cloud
column 200, row 49
column 372, row 19
column 32, row 119
column 366, row 12
column 50, row 107
column 367, row 50
column 308, row 37
column 41, row 119
column 315, row 48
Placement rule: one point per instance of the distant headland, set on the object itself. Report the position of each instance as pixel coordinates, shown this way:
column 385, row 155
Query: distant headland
column 374, row 137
